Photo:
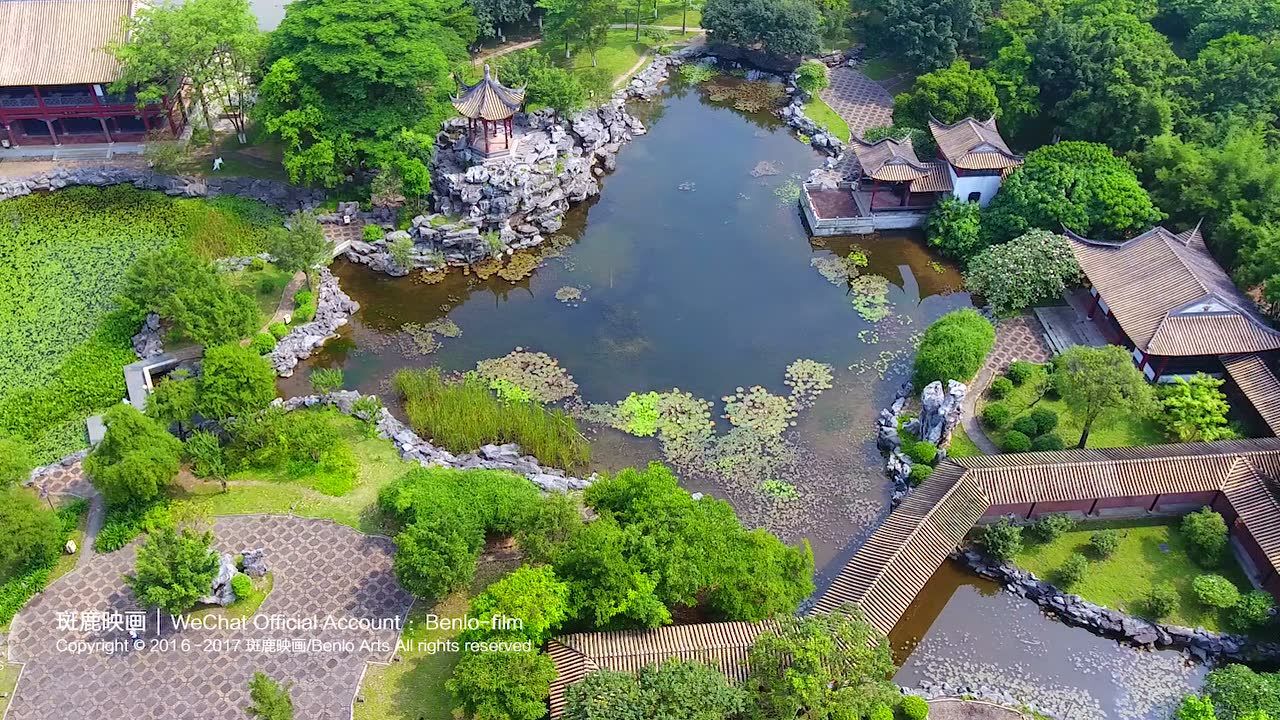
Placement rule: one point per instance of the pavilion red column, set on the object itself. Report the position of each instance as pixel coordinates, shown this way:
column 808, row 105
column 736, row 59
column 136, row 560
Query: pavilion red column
column 105, row 130
column 52, row 133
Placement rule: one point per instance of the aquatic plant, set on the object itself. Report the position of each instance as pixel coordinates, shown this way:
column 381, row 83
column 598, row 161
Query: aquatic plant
column 746, row 95
column 519, row 266
column 569, row 295
column 694, row 73
column 536, row 372
column 493, row 241
column 462, row 416
column 484, row 269
column 760, row 410
column 807, row 379
column 788, row 192
column 509, row 392
column 857, row 257
column 423, row 339
column 779, row 489
column 430, row 277
column 638, row 414
column 832, row 268
column 871, row 297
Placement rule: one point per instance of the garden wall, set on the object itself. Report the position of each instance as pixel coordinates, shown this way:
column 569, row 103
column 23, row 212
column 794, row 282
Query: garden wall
column 1167, row 504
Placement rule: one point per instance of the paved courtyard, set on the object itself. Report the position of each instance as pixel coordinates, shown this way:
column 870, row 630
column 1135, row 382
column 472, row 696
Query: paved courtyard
column 861, row 101
column 320, row 569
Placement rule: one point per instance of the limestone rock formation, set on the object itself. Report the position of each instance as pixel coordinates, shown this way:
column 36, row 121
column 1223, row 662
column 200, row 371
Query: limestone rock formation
column 333, row 309
column 220, row 592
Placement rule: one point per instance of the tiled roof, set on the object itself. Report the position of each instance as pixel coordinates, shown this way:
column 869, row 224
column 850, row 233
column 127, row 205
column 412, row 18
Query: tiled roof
column 1259, row 384
column 60, row 42
column 488, row 99
column 938, row 180
column 889, row 160
column 723, row 645
column 973, row 145
column 1170, row 296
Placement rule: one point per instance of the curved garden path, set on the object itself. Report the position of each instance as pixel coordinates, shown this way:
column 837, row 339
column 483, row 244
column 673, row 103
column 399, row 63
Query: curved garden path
column 321, row 569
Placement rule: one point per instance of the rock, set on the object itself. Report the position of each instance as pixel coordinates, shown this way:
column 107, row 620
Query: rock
column 70, row 547
column 333, row 309
column 220, row 592
column 149, row 342
column 939, row 411
column 281, row 196
column 254, row 562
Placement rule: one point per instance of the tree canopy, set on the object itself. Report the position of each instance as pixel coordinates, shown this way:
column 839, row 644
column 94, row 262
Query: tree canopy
column 950, row 94
column 235, row 381
column 174, row 569
column 928, row 34
column 675, row 690
column 33, row 534
column 1094, row 381
column 135, row 459
column 1031, row 268
column 782, row 27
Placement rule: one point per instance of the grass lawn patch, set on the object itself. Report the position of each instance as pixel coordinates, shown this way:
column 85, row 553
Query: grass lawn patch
column 1151, row 552
column 962, row 445
column 266, row 287
column 261, row 157
column 880, row 69
column 246, row 607
column 821, row 113
column 1116, row 429
column 413, row 689
column 669, row 15
column 8, row 681
column 61, row 346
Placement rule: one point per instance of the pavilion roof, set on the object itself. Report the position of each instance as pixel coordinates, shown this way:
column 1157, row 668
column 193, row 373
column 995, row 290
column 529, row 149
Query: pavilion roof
column 889, row 160
column 973, row 144
column 60, row 42
column 1259, row 384
column 1171, row 297
column 488, row 99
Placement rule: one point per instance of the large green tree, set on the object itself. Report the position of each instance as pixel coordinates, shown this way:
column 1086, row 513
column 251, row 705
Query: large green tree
column 174, row 569
column 1236, row 78
column 354, row 85
column 950, row 94
column 213, row 44
column 491, row 15
column 32, row 536
column 927, row 34
column 1094, row 381
column 1082, row 186
column 301, row 246
column 1031, row 268
column 187, row 291
column 782, row 27
column 135, row 459
column 235, row 381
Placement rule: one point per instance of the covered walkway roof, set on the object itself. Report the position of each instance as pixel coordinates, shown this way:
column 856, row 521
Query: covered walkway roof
column 60, row 42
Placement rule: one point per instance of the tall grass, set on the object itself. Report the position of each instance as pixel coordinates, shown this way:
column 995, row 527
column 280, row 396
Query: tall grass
column 462, row 416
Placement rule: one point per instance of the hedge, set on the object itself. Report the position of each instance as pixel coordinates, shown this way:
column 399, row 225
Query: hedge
column 953, row 348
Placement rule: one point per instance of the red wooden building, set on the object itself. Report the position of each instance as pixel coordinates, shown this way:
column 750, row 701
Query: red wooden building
column 55, row 75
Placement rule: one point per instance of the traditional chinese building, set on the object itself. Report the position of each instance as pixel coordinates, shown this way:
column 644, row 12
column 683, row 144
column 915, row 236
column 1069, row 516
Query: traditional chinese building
column 489, row 107
column 55, row 73
column 893, row 178
column 976, row 157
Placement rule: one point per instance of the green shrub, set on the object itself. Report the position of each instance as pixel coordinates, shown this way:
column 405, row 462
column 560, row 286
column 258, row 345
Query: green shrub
column 278, row 330
column 203, row 450
column 954, row 227
column 135, row 459
column 173, row 569
column 1206, row 535
column 235, row 381
column 33, row 534
column 918, row 474
column 811, row 76
column 1020, row 371
column 924, row 453
column 241, row 585
column 1048, row 528
column 263, row 343
column 1073, row 570
column 996, row 416
column 1026, row 425
column 1251, row 612
column 326, row 380
column 1161, row 601
column 1104, row 543
column 15, row 462
column 1045, row 420
column 296, row 445
column 15, row 592
column 880, row 711
column 1001, row 539
column 1215, row 591
column 185, row 289
column 304, row 307
column 914, row 707
column 372, row 233
column 1047, row 442
column 1000, row 388
column 462, row 416
column 953, row 348
column 1015, row 441
column 123, row 524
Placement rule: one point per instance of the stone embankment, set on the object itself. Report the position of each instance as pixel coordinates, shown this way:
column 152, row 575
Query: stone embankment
column 414, row 449
column 794, row 116
column 940, row 413
column 1073, row 610
column 333, row 309
column 282, row 196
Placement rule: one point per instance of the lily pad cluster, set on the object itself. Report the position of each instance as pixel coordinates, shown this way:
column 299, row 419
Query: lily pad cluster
column 570, row 295
column 519, row 266
column 807, row 379
column 745, row 95
column 871, row 297
column 537, row 373
column 418, row 339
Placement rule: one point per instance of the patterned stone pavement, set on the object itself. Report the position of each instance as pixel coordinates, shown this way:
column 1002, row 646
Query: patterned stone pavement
column 321, row 570
column 858, row 99
column 67, row 479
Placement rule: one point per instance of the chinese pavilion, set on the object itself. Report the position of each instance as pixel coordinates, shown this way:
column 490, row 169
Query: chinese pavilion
column 489, row 107
column 55, row 73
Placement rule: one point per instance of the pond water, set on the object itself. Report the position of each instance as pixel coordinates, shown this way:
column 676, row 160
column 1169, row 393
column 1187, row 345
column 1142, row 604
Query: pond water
column 965, row 630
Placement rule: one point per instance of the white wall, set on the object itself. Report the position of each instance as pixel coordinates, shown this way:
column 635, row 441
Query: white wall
column 987, row 185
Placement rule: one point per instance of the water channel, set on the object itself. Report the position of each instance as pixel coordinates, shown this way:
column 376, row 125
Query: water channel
column 697, row 274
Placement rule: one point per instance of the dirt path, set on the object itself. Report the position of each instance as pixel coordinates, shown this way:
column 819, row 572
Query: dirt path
column 486, row 55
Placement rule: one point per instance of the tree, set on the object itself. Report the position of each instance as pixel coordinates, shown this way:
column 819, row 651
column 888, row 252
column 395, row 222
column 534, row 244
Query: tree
column 301, row 246
column 235, row 381
column 175, row 568
column 1206, row 535
column 502, row 685
column 784, row 27
column 811, row 76
column 953, row 348
column 270, row 700
column 135, row 459
column 675, row 690
column 1224, row 17
column 607, row 587
column 819, row 663
column 178, row 286
column 203, row 450
column 534, row 595
column 954, row 228
column 1194, row 707
column 436, row 556
column 1094, row 381
column 1001, row 540
column 950, row 94
column 491, row 15
column 1237, row 691
column 213, row 44
column 1237, row 77
column 1215, row 591
column 1194, row 410
column 928, row 34
column 1035, row 267
column 32, row 536
column 577, row 23
column 15, row 462
column 173, row 401
column 557, row 89
column 1081, row 186
column 1018, row 95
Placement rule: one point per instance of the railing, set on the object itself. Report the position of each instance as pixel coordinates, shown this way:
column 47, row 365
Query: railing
column 68, row 100
column 20, row 102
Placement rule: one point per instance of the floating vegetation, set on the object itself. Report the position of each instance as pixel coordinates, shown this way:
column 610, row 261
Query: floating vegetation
column 509, row 392
column 485, row 268
column 807, row 379
column 886, row 362
column 779, row 489
column 857, row 257
column 764, row 168
column 519, row 266
column 870, row 337
column 759, row 410
column 694, row 73
column 788, row 192
column 871, row 297
column 430, row 277
column 418, row 339
column 638, row 414
column 570, row 295
column 832, row 268
column 537, row 373
column 746, row 95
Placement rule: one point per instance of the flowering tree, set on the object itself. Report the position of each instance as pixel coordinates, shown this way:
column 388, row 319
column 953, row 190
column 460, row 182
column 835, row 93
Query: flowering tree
column 1012, row 276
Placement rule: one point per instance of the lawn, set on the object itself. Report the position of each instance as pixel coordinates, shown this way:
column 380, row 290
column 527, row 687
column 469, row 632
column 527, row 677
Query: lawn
column 1151, row 552
column 669, row 15
column 880, row 69
column 821, row 113
column 264, row 492
column 266, row 287
column 961, row 445
column 1116, row 429
column 413, row 688
column 61, row 347
column 8, row 681
column 261, row 157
